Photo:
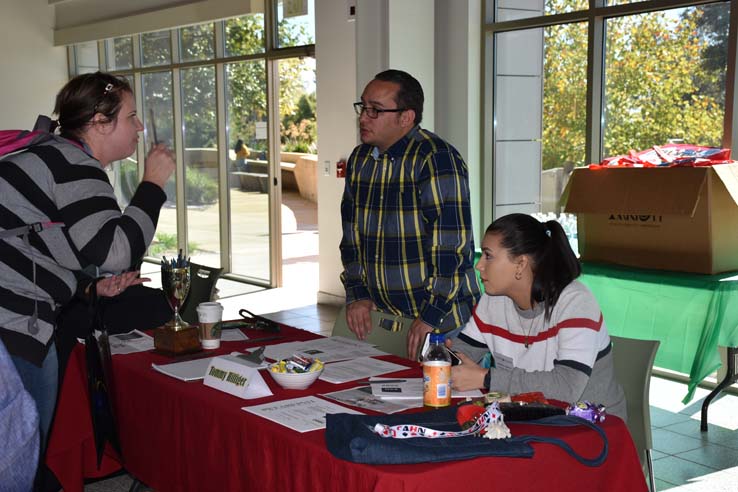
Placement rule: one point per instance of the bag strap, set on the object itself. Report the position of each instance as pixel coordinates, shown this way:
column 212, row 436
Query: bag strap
column 95, row 309
column 569, row 421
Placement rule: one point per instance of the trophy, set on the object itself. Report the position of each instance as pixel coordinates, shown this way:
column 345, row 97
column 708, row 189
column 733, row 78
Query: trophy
column 176, row 285
column 176, row 337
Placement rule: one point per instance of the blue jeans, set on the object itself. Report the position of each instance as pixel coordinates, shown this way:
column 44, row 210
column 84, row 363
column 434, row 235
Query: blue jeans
column 43, row 384
column 19, row 441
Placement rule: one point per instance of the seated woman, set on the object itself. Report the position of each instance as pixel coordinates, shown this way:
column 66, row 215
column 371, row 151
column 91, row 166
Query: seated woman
column 544, row 329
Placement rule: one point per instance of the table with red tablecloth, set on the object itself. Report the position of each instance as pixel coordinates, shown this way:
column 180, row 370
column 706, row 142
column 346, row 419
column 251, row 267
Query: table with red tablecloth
column 179, row 436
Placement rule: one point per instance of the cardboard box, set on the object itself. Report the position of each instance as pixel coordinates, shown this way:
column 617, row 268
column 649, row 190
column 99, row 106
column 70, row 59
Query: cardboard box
column 677, row 218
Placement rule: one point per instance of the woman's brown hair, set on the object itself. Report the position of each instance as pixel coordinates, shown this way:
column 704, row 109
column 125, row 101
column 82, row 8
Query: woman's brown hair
column 86, row 95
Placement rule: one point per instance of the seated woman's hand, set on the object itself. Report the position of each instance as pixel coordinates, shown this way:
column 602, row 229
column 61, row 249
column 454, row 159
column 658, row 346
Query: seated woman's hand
column 468, row 375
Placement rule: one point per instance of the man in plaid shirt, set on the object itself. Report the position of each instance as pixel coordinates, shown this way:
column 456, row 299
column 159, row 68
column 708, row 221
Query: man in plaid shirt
column 407, row 244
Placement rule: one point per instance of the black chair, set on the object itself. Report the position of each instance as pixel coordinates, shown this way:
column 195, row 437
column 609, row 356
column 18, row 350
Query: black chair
column 202, row 289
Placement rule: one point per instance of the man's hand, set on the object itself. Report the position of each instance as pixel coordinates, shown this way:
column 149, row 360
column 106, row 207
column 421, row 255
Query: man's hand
column 359, row 319
column 467, row 375
column 415, row 337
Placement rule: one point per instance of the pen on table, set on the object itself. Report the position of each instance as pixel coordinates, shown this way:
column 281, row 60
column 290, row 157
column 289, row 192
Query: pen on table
column 383, row 381
column 265, row 339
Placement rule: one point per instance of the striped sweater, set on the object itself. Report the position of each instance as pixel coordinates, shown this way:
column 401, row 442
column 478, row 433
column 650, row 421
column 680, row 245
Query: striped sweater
column 58, row 181
column 567, row 357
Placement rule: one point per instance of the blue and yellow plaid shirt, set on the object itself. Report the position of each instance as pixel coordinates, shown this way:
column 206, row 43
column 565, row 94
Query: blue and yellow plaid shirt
column 407, row 233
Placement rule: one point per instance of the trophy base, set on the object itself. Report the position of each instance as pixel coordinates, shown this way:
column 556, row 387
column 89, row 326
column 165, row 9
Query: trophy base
column 175, row 343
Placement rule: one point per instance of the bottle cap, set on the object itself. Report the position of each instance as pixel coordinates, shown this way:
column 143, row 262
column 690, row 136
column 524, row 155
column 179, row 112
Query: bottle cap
column 437, row 336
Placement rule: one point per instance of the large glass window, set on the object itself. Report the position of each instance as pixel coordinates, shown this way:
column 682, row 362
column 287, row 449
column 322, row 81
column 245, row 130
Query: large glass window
column 201, row 165
column 244, row 35
column 156, row 48
column 119, row 53
column 665, row 78
column 298, row 145
column 85, row 57
column 295, row 23
column 249, row 167
column 213, row 110
column 659, row 77
column 158, row 113
column 197, row 42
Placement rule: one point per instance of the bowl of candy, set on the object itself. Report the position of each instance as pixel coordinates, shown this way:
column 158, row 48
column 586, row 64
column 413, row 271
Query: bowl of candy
column 297, row 372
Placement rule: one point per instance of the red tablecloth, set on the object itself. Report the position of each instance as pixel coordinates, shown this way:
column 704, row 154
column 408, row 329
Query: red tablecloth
column 180, row 436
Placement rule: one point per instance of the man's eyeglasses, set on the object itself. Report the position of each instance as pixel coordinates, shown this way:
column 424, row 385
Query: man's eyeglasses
column 374, row 112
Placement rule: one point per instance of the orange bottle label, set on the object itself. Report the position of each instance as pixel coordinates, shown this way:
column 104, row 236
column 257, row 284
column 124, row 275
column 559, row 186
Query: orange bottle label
column 436, row 383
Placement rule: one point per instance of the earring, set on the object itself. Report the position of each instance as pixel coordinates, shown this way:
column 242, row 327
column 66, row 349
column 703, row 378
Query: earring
column 518, row 275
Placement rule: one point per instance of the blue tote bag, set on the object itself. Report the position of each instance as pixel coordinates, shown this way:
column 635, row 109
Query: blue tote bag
column 350, row 438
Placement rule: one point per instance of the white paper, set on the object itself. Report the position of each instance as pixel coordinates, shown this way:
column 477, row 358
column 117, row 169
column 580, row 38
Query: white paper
column 194, row 369
column 411, row 388
column 333, row 349
column 329, row 349
column 351, row 370
column 281, row 350
column 189, row 370
column 260, row 129
column 128, row 343
column 301, row 414
column 363, row 398
column 232, row 335
column 236, row 376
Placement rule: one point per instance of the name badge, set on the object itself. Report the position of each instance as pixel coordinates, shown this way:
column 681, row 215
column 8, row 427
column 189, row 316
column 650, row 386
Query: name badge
column 232, row 375
column 503, row 361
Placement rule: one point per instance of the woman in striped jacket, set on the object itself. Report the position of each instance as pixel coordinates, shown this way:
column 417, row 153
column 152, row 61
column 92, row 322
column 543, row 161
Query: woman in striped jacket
column 63, row 181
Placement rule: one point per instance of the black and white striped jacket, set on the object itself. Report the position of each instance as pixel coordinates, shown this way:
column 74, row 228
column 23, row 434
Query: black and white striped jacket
column 58, row 181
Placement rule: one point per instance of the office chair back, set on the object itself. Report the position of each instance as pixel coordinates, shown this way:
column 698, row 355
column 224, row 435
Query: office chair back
column 393, row 342
column 202, row 289
column 633, row 361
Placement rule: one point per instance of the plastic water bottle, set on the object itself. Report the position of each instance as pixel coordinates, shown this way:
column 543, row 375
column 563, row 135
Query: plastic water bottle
column 436, row 373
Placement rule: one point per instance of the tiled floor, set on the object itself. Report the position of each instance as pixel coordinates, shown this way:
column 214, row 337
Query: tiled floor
column 685, row 460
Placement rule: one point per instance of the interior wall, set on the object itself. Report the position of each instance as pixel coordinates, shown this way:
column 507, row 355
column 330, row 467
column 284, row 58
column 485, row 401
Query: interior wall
column 32, row 70
column 439, row 44
column 458, row 81
column 335, row 53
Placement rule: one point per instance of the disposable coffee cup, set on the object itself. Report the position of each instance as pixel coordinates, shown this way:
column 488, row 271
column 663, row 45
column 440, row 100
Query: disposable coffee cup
column 210, row 314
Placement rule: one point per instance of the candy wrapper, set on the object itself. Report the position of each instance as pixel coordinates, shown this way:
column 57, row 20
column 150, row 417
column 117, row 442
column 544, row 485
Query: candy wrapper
column 297, row 364
column 588, row 411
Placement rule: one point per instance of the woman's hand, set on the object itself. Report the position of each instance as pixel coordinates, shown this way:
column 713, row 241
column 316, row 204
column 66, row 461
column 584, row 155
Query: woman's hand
column 159, row 165
column 468, row 375
column 112, row 286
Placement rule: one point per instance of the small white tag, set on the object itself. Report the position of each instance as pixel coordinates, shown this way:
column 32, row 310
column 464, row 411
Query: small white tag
column 503, row 361
column 234, row 376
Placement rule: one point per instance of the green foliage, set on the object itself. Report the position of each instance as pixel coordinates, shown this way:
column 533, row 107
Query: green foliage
column 298, row 130
column 246, row 81
column 200, row 189
column 664, row 81
column 165, row 243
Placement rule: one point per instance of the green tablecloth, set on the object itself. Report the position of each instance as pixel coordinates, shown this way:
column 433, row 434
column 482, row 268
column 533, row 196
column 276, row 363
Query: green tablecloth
column 690, row 314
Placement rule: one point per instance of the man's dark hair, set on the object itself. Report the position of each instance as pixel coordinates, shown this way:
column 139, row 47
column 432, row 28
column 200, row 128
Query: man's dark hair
column 410, row 95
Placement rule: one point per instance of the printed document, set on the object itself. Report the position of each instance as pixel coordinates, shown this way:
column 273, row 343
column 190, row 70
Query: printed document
column 301, row 414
